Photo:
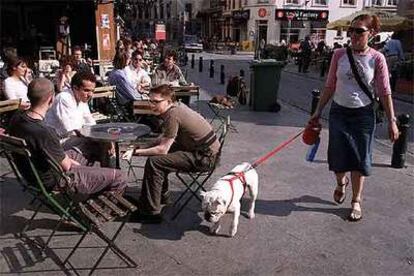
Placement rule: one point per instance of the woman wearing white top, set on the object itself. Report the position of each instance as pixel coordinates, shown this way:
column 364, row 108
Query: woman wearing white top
column 15, row 86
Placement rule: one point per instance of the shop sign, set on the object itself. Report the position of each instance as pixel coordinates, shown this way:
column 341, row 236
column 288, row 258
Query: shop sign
column 105, row 21
column 302, row 15
column 262, row 12
column 160, row 33
column 241, row 15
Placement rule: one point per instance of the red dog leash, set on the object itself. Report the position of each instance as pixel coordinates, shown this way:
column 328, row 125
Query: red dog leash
column 241, row 175
column 276, row 150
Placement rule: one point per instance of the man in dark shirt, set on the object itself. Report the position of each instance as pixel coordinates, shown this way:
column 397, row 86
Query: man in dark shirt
column 41, row 138
column 188, row 143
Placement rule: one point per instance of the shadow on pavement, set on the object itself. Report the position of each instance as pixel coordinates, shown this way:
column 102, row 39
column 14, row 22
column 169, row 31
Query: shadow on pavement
column 283, row 208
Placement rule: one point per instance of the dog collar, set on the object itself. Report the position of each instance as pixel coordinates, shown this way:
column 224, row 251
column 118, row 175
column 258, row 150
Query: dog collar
column 236, row 175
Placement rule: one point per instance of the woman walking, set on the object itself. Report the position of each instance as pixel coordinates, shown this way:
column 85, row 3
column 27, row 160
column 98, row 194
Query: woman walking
column 352, row 116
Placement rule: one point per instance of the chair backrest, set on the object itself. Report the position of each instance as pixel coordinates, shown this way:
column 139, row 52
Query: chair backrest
column 222, row 139
column 16, row 149
column 142, row 107
column 104, row 92
column 9, row 105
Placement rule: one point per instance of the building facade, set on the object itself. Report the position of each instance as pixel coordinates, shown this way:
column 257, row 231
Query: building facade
column 179, row 16
column 277, row 20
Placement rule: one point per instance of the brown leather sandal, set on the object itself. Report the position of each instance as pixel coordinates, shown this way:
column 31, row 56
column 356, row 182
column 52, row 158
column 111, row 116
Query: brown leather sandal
column 355, row 214
column 339, row 196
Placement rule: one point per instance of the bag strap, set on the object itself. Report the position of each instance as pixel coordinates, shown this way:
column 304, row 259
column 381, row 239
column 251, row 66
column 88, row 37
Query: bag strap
column 358, row 78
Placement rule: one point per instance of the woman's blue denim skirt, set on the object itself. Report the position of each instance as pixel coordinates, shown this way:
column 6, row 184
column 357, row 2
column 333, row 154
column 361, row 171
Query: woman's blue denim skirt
column 351, row 135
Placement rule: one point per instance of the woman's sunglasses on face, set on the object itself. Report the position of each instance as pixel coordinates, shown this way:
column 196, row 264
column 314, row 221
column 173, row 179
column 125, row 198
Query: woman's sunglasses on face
column 357, row 31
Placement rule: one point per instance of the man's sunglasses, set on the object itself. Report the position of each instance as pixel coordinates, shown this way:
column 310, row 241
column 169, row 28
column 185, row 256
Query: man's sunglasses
column 156, row 101
column 357, row 30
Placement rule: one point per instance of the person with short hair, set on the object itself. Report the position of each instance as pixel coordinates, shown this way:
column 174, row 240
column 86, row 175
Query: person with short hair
column 42, row 139
column 81, row 63
column 187, row 143
column 136, row 75
column 168, row 72
column 70, row 112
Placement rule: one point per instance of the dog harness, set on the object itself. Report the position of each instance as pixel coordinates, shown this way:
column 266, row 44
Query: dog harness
column 241, row 177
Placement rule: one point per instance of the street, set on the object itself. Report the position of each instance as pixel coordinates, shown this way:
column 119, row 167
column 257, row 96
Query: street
column 298, row 229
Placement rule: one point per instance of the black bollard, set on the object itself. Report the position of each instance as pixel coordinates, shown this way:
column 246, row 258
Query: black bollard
column 323, row 67
column 399, row 150
column 241, row 73
column 222, row 76
column 315, row 99
column 192, row 61
column 200, row 64
column 211, row 68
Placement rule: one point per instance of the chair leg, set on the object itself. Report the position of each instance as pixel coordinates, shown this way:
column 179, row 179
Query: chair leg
column 111, row 245
column 53, row 233
column 29, row 222
column 75, row 247
column 186, row 190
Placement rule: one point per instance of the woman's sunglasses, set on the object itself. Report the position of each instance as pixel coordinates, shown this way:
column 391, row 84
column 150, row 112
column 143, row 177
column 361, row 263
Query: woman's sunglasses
column 357, row 31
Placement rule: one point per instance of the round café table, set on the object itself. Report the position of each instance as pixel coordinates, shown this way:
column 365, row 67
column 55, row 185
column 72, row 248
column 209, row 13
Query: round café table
column 116, row 133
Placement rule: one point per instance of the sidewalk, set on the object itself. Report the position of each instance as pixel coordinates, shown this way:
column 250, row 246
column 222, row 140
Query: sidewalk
column 298, row 230
column 315, row 73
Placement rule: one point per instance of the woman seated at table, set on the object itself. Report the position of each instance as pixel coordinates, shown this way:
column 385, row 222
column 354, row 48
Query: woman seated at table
column 65, row 74
column 125, row 92
column 15, row 86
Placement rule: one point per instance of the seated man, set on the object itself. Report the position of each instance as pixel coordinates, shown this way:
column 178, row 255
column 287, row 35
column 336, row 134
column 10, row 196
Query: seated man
column 41, row 138
column 70, row 112
column 168, row 72
column 188, row 143
column 80, row 63
column 125, row 91
column 136, row 75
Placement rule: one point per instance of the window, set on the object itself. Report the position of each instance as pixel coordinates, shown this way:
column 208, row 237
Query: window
column 262, row 1
column 377, row 2
column 295, row 2
column 392, row 2
column 320, row 2
column 349, row 2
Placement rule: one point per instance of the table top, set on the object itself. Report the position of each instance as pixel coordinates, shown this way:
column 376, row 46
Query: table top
column 115, row 132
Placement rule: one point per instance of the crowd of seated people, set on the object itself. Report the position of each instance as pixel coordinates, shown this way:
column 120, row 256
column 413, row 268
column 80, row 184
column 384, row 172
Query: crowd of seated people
column 53, row 113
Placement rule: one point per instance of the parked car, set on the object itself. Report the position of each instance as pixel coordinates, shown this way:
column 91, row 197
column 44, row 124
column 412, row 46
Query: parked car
column 192, row 44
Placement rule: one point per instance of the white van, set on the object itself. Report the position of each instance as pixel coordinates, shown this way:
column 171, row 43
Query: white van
column 192, row 44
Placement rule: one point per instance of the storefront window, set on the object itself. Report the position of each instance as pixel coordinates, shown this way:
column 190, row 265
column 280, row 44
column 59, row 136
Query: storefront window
column 377, row 2
column 320, row 2
column 349, row 2
column 392, row 2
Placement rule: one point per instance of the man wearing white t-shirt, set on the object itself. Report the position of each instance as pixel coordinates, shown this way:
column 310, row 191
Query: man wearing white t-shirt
column 136, row 75
column 70, row 112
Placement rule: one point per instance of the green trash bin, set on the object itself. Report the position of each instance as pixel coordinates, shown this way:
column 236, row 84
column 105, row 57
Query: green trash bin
column 264, row 84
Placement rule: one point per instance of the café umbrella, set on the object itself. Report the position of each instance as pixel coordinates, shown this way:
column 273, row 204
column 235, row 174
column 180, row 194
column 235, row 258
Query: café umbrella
column 389, row 22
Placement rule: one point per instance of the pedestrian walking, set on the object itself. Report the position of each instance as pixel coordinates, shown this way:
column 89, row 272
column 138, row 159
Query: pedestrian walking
column 352, row 116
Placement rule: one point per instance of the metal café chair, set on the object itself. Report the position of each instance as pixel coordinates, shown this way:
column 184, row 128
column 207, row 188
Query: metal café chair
column 197, row 179
column 88, row 215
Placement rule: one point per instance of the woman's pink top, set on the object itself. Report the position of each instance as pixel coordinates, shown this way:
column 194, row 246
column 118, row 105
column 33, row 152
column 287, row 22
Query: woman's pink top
column 340, row 77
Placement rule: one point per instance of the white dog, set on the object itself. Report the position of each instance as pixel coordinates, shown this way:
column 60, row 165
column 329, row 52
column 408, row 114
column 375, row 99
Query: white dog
column 226, row 194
